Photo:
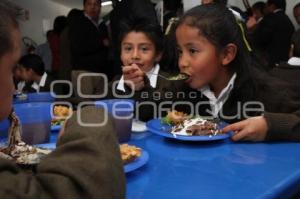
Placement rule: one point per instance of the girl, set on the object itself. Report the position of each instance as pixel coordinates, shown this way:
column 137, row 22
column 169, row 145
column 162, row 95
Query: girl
column 212, row 50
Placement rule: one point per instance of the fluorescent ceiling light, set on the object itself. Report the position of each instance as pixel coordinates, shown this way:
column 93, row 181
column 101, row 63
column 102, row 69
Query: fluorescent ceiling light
column 106, row 3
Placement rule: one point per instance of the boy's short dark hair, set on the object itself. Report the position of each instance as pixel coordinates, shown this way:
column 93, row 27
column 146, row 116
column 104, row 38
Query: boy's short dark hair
column 149, row 27
column 34, row 62
column 296, row 44
column 296, row 6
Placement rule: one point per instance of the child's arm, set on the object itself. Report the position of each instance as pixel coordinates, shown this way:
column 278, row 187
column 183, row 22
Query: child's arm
column 271, row 126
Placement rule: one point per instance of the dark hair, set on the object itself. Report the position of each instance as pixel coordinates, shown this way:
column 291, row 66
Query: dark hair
column 281, row 4
column 8, row 21
column 151, row 29
column 34, row 62
column 259, row 6
column 59, row 24
column 219, row 26
column 296, row 43
column 296, row 6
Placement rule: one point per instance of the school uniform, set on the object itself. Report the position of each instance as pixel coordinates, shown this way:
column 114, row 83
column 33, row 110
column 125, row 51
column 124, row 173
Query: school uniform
column 281, row 111
column 44, row 85
column 85, row 164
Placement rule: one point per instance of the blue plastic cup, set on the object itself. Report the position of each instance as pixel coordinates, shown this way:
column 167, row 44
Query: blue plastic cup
column 121, row 111
column 36, row 121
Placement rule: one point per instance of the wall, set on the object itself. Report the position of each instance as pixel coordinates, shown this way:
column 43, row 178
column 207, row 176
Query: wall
column 39, row 10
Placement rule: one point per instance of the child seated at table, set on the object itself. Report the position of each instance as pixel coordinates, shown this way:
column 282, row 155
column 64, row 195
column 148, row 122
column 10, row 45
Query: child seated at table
column 212, row 50
column 141, row 45
column 33, row 70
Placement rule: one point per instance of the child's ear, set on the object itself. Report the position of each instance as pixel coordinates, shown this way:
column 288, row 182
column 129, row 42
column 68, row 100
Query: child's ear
column 228, row 54
column 158, row 57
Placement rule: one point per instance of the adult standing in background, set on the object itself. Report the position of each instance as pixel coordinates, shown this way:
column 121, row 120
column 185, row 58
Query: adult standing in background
column 273, row 34
column 86, row 162
column 89, row 48
column 58, row 26
column 296, row 12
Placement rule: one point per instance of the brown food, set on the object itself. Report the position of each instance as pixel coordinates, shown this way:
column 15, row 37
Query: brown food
column 206, row 128
column 129, row 153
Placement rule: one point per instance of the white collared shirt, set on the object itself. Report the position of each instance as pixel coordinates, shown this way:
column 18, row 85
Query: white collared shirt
column 41, row 84
column 294, row 61
column 152, row 76
column 217, row 103
column 277, row 10
column 20, row 86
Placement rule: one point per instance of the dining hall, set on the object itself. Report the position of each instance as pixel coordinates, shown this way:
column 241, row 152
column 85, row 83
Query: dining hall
column 142, row 99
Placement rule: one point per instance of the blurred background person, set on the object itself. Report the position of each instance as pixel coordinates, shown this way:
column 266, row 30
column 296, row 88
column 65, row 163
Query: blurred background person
column 33, row 70
column 89, row 48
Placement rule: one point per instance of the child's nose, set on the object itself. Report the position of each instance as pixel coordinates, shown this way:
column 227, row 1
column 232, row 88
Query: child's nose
column 182, row 62
column 135, row 54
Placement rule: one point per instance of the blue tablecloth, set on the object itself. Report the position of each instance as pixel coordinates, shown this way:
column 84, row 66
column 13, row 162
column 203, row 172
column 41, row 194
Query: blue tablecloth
column 223, row 169
column 185, row 170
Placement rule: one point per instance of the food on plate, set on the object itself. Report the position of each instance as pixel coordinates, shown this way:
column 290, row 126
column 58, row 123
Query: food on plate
column 175, row 117
column 182, row 124
column 196, row 126
column 17, row 150
column 129, row 153
column 62, row 111
column 60, row 114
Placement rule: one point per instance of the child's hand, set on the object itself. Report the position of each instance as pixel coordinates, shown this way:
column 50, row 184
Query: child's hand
column 133, row 77
column 252, row 129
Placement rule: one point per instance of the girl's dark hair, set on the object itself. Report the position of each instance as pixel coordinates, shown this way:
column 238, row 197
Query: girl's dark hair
column 34, row 62
column 9, row 13
column 151, row 29
column 219, row 26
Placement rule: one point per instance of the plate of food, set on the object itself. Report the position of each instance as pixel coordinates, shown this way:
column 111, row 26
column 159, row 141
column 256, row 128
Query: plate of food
column 133, row 157
column 180, row 126
column 61, row 113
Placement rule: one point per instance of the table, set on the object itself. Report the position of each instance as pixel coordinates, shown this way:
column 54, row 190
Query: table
column 224, row 169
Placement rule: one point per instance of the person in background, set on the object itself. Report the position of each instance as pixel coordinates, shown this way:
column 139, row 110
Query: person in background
column 53, row 39
column 290, row 71
column 89, row 49
column 273, row 34
column 62, row 173
column 33, row 70
column 258, row 10
column 65, row 68
column 44, row 51
column 213, row 52
column 21, row 85
column 296, row 12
